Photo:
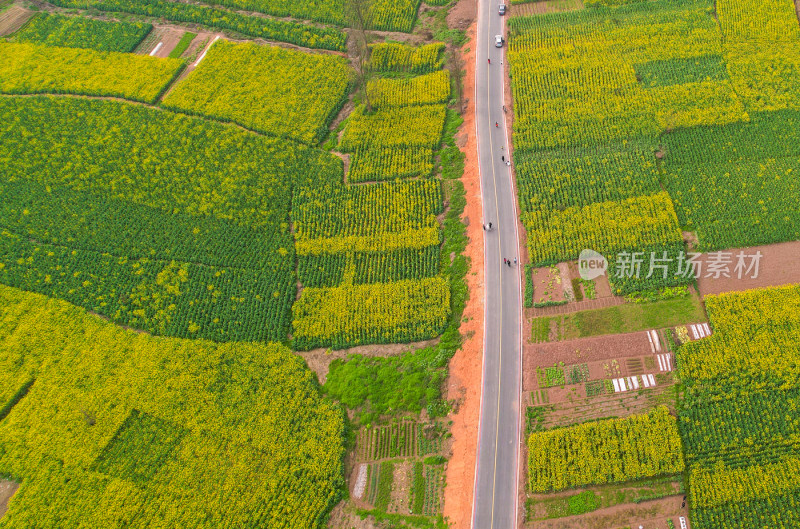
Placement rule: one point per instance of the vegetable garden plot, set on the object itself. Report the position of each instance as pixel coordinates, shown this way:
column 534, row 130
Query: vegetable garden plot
column 29, row 68
column 80, row 32
column 292, row 32
column 145, row 443
column 608, row 451
column 737, row 416
column 278, row 92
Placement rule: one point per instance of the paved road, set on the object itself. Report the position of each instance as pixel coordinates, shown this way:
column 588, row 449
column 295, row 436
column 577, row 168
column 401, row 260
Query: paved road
column 495, row 504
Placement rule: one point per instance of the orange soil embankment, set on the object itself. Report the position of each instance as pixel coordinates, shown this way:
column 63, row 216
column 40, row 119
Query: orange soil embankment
column 464, row 383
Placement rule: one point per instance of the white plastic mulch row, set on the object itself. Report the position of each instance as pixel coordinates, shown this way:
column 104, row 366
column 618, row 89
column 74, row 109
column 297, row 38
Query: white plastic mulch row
column 655, row 342
column 361, row 481
column 700, row 330
column 683, row 523
column 203, row 56
column 155, row 50
column 624, row 384
column 664, row 362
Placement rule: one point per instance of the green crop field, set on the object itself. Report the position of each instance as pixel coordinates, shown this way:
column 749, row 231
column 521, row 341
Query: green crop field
column 35, row 69
column 737, row 417
column 271, row 90
column 79, row 32
column 605, row 115
column 177, row 233
column 175, row 445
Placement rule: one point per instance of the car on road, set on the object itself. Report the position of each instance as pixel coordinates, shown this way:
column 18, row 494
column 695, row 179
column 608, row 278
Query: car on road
column 498, row 41
column 502, row 9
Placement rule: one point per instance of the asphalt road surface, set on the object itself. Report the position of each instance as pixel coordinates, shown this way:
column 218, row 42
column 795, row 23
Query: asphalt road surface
column 495, row 499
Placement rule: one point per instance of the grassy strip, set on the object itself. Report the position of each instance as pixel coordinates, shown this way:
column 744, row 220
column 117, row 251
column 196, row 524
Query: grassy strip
column 182, row 45
column 413, row 380
column 620, row 319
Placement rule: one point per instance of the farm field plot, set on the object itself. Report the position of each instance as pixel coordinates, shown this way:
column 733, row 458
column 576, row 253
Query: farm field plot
column 709, row 113
column 267, row 89
column 736, row 418
column 80, row 32
column 109, row 222
column 609, row 451
column 369, row 252
column 736, row 185
column 156, row 430
column 395, row 57
column 29, row 68
column 293, row 32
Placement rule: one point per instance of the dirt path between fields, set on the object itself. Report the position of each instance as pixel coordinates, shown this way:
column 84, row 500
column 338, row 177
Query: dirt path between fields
column 464, row 382
column 7, row 490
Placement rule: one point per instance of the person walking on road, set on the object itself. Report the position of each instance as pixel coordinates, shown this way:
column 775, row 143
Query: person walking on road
column 505, row 261
column 495, row 124
column 490, row 61
column 490, row 226
column 515, row 261
column 503, row 158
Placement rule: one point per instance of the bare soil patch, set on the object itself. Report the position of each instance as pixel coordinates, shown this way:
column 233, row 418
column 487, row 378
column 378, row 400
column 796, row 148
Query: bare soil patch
column 651, row 514
column 778, row 266
column 464, row 382
column 344, row 515
column 13, row 18
column 168, row 38
column 462, row 15
column 401, row 487
column 550, row 6
column 595, row 348
column 7, row 490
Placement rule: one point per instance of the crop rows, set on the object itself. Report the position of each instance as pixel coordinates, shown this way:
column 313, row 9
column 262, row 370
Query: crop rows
column 252, row 26
column 398, row 439
column 395, row 57
column 608, row 451
column 563, row 179
column 432, row 505
column 80, row 227
column 739, row 189
column 387, row 163
column 79, row 32
column 738, row 414
column 403, row 311
column 414, row 126
column 268, row 89
column 604, row 226
column 421, row 90
column 35, row 69
column 368, row 267
column 145, row 432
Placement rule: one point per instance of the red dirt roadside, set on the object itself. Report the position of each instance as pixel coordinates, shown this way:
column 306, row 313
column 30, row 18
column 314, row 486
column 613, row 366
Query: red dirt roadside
column 464, row 384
